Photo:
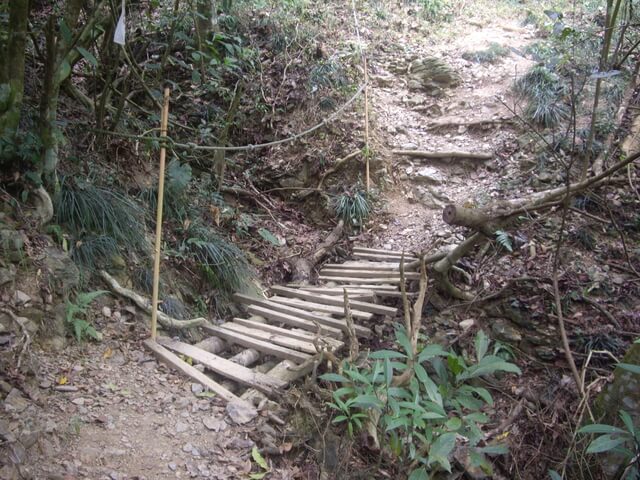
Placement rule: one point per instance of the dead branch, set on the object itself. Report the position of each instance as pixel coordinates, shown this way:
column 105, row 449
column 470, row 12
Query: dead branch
column 471, row 124
column 336, row 165
column 302, row 267
column 443, row 155
column 354, row 346
column 144, row 304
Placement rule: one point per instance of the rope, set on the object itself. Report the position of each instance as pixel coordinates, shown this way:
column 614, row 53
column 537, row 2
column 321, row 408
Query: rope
column 193, row 146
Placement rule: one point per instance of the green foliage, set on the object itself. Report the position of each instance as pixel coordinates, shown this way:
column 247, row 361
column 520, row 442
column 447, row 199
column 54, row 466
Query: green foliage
column 354, row 208
column 261, row 462
column 492, row 54
column 76, row 316
column 87, row 209
column 435, row 10
column 621, row 441
column 177, row 179
column 504, row 240
column 420, row 421
column 224, row 265
column 328, row 74
column 94, row 252
column 544, row 92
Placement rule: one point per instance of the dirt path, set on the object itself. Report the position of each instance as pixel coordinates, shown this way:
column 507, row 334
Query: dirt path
column 405, row 116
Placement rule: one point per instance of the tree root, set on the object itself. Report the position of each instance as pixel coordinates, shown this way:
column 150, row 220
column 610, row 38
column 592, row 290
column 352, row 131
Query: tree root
column 443, row 155
column 165, row 320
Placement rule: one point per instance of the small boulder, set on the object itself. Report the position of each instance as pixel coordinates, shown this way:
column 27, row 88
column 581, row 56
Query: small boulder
column 504, row 330
column 62, row 271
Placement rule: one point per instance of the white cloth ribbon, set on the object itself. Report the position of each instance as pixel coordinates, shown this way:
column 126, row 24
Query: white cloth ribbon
column 120, row 33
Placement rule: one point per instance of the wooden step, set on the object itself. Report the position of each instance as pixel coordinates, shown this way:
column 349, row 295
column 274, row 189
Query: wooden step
column 227, row 368
column 294, row 317
column 319, row 307
column 368, row 281
column 381, row 258
column 349, row 286
column 382, row 251
column 376, row 266
column 260, row 345
column 335, row 301
column 286, row 314
column 172, row 360
column 293, row 333
column 283, row 341
column 360, row 295
column 336, row 272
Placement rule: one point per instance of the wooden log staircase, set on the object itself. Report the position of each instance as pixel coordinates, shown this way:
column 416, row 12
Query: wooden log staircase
column 291, row 325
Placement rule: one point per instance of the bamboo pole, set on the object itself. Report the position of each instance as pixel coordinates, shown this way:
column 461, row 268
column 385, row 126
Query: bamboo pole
column 156, row 258
column 366, row 120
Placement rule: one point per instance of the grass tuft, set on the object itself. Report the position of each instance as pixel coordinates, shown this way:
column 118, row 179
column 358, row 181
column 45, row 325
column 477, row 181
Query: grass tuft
column 492, row 54
column 544, row 92
column 354, row 208
column 94, row 252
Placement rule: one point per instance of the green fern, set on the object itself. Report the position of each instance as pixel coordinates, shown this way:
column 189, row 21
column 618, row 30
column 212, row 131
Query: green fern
column 76, row 316
column 504, row 240
column 354, row 208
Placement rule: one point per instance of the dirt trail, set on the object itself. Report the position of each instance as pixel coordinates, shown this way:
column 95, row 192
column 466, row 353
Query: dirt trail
column 404, row 117
column 131, row 418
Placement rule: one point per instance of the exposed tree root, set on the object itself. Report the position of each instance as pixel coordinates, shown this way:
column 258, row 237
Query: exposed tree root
column 302, row 267
column 443, row 155
column 165, row 320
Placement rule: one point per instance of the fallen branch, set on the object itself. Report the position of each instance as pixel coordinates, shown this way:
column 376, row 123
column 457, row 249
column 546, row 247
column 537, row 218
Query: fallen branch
column 472, row 124
column 26, row 338
column 144, row 304
column 336, row 165
column 443, row 155
column 302, row 266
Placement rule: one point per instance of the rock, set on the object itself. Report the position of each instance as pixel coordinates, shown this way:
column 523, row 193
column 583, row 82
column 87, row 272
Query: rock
column 504, row 330
column 545, row 353
column 30, row 326
column 197, row 388
column 78, row 401
column 35, row 314
column 241, row 412
column 106, row 312
column 12, row 244
column 429, row 175
column 408, row 146
column 172, row 466
column 215, row 424
column 384, row 81
column 467, row 324
column 7, row 275
column 21, row 298
column 63, row 272
column 55, row 343
column 431, row 75
column 181, row 427
column 15, row 402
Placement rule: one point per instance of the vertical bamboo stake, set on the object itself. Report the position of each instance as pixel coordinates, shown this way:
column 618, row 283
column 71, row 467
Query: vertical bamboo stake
column 156, row 259
column 366, row 120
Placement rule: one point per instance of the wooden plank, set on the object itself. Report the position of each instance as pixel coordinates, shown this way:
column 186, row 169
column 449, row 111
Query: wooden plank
column 382, row 251
column 366, row 288
column 294, row 317
column 227, row 368
column 283, row 341
column 172, row 360
column 376, row 266
column 285, row 314
column 369, row 281
column 360, row 295
column 297, row 334
column 335, row 301
column 335, row 272
column 381, row 258
column 319, row 307
column 260, row 345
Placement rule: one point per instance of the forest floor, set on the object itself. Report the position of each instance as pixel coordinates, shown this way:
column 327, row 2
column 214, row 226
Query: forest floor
column 124, row 416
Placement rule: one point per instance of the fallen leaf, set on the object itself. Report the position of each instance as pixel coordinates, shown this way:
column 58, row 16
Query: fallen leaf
column 63, row 380
column 108, row 353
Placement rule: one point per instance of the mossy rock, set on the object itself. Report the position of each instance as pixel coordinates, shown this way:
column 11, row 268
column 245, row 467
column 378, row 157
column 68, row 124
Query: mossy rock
column 432, row 75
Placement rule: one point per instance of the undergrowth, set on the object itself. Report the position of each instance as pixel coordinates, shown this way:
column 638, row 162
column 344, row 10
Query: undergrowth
column 491, row 54
column 352, row 207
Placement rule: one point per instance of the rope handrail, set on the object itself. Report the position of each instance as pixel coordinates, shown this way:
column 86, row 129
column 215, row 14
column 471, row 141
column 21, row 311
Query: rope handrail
column 193, row 146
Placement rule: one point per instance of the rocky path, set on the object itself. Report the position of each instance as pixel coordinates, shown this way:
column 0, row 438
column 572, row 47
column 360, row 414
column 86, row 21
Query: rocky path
column 408, row 103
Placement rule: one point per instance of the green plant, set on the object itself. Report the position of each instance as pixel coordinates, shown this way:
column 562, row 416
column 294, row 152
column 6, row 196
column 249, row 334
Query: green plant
column 624, row 442
column 94, row 252
column 544, row 92
column 420, row 420
column 491, row 54
column 504, row 240
column 76, row 316
column 87, row 209
column 354, row 208
column 224, row 265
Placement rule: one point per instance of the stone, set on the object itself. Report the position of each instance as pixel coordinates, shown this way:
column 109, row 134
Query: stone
column 429, row 175
column 63, row 272
column 467, row 324
column 431, row 75
column 21, row 298
column 241, row 412
column 215, row 424
column 197, row 388
column 504, row 330
column 181, row 427
column 106, row 312
column 12, row 244
column 545, row 353
column 172, row 466
column 15, row 402
column 35, row 314
column 7, row 275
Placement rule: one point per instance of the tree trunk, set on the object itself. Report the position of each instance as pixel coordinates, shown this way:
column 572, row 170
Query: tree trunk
column 12, row 71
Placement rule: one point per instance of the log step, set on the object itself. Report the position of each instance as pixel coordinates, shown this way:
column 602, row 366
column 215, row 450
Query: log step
column 369, row 281
column 277, row 339
column 172, row 360
column 226, row 368
column 335, row 301
column 293, row 317
column 296, row 334
column 337, row 272
column 278, row 314
column 319, row 307
column 375, row 266
column 260, row 345
column 382, row 258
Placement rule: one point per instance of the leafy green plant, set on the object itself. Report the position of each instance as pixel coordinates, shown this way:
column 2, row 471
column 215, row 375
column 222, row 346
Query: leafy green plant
column 420, row 421
column 624, row 442
column 354, row 208
column 94, row 252
column 261, row 462
column 504, row 240
column 544, row 92
column 76, row 316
